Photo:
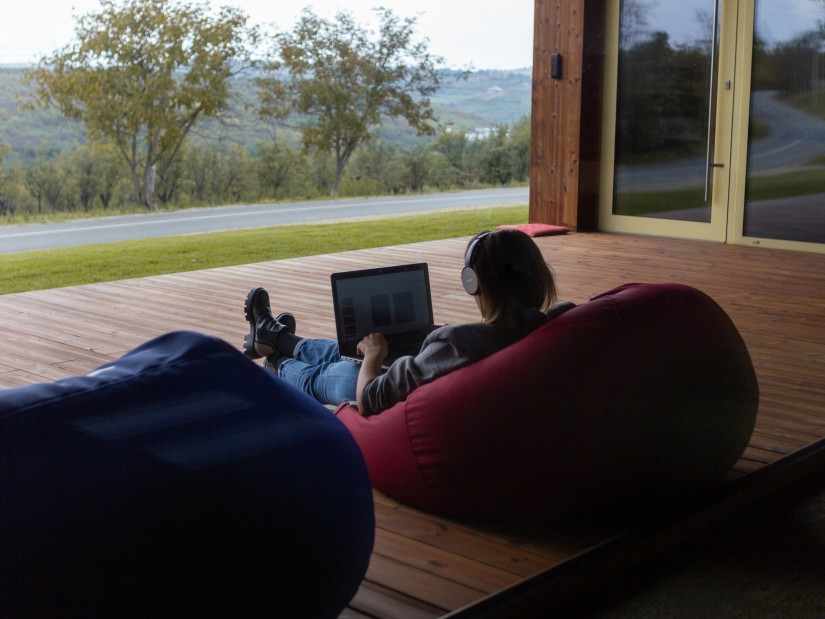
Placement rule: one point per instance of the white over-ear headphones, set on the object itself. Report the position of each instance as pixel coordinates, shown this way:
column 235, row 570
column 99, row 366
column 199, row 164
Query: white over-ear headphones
column 469, row 278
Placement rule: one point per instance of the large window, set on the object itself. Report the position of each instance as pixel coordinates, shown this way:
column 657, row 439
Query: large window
column 666, row 56
column 785, row 188
column 717, row 120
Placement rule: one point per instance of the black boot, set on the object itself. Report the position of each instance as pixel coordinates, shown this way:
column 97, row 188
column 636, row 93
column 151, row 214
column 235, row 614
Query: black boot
column 263, row 327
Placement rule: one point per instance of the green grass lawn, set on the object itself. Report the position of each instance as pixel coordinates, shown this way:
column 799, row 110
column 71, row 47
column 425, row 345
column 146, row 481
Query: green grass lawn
column 54, row 268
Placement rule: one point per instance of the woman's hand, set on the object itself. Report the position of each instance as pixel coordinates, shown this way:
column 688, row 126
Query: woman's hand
column 374, row 349
column 374, row 345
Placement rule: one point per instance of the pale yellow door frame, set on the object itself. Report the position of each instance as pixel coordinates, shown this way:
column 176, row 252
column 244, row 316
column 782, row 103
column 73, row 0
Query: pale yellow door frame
column 726, row 92
column 740, row 121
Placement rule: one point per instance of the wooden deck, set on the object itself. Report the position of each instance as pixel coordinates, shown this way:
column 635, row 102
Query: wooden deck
column 424, row 565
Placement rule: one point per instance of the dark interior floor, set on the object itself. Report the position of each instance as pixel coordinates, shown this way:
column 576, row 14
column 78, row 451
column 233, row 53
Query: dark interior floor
column 766, row 562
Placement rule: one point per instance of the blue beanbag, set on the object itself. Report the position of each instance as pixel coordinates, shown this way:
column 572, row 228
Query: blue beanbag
column 180, row 480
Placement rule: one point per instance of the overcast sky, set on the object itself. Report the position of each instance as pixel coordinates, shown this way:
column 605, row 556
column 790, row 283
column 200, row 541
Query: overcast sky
column 488, row 35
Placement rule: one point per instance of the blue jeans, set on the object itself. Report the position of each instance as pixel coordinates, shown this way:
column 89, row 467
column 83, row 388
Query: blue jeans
column 318, row 370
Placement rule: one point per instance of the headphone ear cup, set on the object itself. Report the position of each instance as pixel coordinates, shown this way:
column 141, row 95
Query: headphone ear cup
column 469, row 280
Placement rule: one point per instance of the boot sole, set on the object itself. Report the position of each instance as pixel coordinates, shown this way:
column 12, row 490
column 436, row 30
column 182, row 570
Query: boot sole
column 249, row 314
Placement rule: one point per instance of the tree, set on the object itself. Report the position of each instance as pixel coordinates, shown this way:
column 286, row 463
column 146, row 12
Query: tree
column 634, row 22
column 278, row 169
column 4, row 151
column 519, row 144
column 45, row 181
column 341, row 78
column 109, row 171
column 420, row 163
column 8, row 203
column 494, row 157
column 89, row 177
column 141, row 74
column 237, row 174
column 453, row 149
column 380, row 169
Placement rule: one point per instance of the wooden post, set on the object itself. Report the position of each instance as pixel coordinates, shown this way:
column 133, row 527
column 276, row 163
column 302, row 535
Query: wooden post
column 566, row 112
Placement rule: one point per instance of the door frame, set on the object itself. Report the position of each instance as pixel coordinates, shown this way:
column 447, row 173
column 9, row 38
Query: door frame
column 718, row 228
column 731, row 144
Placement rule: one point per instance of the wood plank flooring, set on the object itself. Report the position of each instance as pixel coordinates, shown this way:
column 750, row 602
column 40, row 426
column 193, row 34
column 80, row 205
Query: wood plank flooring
column 424, row 565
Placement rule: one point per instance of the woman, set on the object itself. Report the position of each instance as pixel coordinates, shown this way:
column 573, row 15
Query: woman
column 515, row 292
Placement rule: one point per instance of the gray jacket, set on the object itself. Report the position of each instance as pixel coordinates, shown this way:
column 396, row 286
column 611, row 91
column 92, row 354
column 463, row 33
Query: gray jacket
column 446, row 349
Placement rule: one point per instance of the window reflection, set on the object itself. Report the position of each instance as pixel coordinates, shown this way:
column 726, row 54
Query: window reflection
column 662, row 109
column 785, row 189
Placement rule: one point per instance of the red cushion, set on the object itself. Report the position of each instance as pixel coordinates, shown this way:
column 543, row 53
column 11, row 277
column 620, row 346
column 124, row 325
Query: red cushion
column 536, row 229
column 644, row 389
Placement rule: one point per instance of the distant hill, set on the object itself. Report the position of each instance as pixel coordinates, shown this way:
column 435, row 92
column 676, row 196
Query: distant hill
column 485, row 99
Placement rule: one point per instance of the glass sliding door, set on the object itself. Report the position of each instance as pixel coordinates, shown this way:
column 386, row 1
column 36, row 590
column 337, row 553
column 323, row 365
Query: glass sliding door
column 714, row 121
column 663, row 104
column 784, row 189
column 671, row 154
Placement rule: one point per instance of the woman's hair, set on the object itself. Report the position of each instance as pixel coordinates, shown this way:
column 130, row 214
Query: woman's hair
column 512, row 276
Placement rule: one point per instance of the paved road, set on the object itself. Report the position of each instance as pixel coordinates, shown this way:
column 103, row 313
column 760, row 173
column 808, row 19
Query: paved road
column 130, row 227
column 794, row 140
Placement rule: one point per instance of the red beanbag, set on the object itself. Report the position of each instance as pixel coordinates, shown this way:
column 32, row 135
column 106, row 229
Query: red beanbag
column 643, row 390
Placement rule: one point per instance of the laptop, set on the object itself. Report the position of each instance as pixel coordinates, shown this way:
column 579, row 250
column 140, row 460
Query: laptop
column 394, row 301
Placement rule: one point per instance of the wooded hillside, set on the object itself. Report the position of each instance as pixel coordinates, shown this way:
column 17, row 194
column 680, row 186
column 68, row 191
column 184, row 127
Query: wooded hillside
column 483, row 101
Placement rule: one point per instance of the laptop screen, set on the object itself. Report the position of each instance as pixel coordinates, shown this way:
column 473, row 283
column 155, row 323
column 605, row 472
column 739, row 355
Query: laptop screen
column 390, row 300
